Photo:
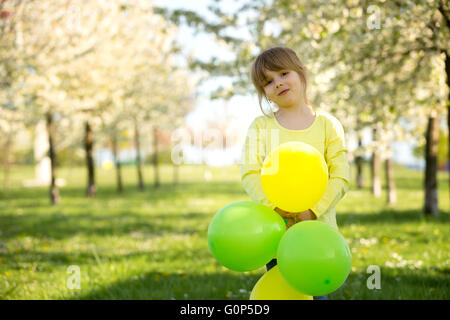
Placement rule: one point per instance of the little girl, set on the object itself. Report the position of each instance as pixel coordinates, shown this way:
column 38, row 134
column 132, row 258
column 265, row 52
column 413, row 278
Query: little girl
column 280, row 77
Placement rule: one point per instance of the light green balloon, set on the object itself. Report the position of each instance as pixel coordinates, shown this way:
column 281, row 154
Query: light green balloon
column 244, row 235
column 314, row 258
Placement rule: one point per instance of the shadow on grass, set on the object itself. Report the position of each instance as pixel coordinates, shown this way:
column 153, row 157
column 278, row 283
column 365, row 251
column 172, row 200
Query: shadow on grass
column 163, row 286
column 122, row 222
column 118, row 222
column 389, row 216
column 395, row 284
column 47, row 261
column 163, row 192
column 77, row 214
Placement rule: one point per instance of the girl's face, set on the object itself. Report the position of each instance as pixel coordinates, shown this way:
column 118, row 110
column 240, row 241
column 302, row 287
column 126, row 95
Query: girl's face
column 284, row 87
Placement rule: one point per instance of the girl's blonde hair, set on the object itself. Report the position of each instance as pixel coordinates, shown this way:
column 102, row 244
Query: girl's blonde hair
column 276, row 59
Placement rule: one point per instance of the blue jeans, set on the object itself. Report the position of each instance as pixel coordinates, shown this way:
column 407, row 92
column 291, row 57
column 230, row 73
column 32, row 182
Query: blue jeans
column 272, row 263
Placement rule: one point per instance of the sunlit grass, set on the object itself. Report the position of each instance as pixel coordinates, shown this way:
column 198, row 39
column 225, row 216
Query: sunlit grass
column 152, row 244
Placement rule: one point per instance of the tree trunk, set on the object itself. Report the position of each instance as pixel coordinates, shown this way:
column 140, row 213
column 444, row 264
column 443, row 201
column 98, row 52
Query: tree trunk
column 6, row 164
column 138, row 156
column 447, row 71
column 359, row 160
column 117, row 162
column 155, row 156
column 54, row 192
column 375, row 168
column 42, row 164
column 391, row 190
column 89, row 147
column 431, row 151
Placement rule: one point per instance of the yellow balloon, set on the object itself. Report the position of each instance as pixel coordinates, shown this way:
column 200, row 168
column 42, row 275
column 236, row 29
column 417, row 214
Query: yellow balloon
column 294, row 176
column 272, row 286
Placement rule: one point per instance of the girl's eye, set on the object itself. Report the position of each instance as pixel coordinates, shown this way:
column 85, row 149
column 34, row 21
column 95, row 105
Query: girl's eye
column 285, row 73
column 268, row 82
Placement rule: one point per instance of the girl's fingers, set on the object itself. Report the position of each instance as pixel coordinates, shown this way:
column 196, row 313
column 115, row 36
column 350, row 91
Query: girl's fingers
column 288, row 214
column 290, row 222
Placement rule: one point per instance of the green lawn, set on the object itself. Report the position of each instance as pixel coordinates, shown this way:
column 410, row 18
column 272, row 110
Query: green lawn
column 152, row 244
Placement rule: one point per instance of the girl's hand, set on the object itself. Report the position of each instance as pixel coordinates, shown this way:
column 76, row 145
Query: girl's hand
column 306, row 215
column 284, row 214
column 288, row 216
column 294, row 217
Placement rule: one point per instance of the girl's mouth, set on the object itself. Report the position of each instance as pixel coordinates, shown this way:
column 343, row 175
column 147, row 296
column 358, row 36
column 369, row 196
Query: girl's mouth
column 283, row 92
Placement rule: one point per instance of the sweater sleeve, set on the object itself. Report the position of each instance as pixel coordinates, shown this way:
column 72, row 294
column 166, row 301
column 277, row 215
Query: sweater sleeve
column 251, row 163
column 336, row 157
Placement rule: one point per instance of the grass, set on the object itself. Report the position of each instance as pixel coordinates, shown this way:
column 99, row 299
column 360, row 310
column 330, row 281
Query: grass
column 152, row 244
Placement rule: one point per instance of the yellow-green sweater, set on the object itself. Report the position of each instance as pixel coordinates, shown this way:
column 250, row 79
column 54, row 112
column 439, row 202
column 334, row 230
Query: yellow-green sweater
column 326, row 134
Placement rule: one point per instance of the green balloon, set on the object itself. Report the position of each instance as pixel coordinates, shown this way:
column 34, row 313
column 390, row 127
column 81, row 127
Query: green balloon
column 314, row 258
column 244, row 235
